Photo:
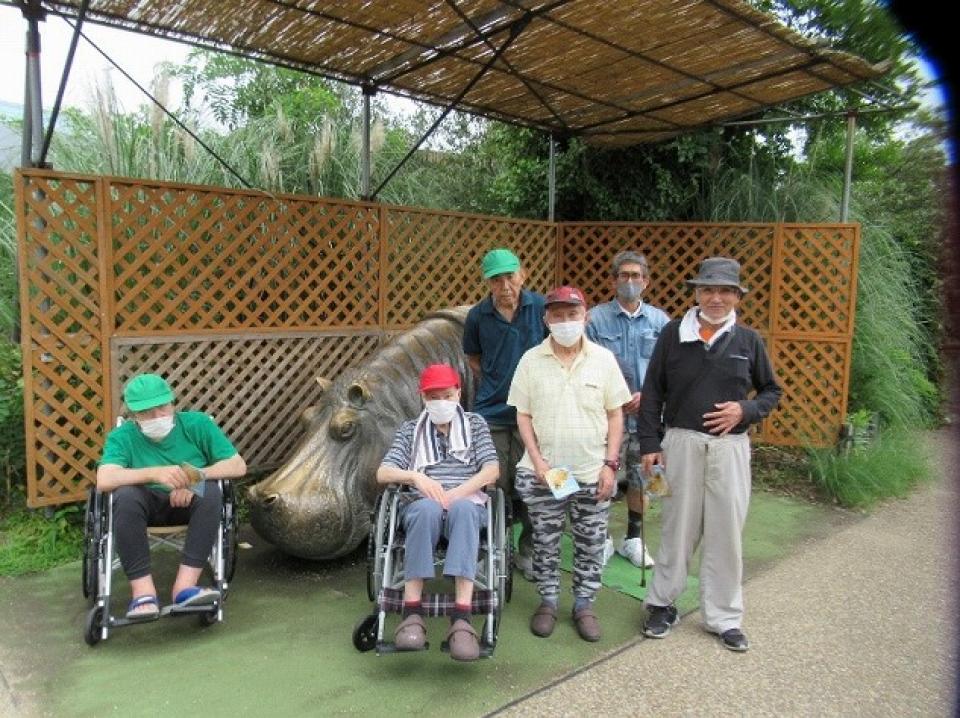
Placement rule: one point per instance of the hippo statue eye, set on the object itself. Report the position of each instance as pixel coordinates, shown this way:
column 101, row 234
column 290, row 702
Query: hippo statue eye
column 358, row 394
column 343, row 424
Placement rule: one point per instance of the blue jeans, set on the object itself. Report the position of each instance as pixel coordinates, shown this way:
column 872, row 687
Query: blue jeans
column 424, row 520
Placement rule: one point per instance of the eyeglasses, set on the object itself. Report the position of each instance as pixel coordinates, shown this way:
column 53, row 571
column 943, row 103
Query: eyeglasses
column 630, row 276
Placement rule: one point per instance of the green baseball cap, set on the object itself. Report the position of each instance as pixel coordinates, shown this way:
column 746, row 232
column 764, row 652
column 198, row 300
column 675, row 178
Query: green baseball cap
column 146, row 391
column 499, row 261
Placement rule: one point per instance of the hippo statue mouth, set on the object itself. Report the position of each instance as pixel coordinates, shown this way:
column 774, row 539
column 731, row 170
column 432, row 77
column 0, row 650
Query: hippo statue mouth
column 311, row 525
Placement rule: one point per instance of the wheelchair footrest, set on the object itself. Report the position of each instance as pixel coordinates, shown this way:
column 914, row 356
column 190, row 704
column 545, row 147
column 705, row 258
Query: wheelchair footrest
column 486, row 650
column 388, row 647
column 438, row 604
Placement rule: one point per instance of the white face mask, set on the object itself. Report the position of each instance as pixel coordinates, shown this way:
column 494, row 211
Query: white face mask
column 441, row 411
column 722, row 320
column 158, row 428
column 566, row 334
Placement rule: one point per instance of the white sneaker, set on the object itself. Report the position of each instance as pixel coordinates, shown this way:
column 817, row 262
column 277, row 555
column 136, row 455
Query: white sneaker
column 607, row 550
column 634, row 551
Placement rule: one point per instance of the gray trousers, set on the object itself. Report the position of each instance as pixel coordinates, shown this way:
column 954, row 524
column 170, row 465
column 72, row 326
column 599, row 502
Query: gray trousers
column 709, row 480
column 424, row 520
column 588, row 526
column 509, row 446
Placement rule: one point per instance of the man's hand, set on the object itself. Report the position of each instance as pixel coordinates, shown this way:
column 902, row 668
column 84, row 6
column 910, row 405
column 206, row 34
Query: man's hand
column 451, row 495
column 606, row 483
column 540, row 468
column 647, row 462
column 632, row 406
column 727, row 416
column 181, row 498
column 171, row 476
column 428, row 487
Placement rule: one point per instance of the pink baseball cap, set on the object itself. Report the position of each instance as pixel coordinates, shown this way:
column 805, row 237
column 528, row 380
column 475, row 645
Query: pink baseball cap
column 565, row 295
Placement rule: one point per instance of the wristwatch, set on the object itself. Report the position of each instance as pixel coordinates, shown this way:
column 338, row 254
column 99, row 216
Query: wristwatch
column 612, row 463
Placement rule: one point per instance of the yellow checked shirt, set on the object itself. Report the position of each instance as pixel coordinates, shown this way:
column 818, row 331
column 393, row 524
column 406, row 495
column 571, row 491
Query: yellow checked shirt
column 569, row 407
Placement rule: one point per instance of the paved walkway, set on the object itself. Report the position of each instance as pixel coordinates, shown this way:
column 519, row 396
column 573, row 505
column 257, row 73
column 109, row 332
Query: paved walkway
column 858, row 623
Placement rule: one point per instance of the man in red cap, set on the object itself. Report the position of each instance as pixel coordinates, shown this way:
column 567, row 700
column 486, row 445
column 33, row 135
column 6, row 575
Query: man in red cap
column 447, row 456
column 569, row 394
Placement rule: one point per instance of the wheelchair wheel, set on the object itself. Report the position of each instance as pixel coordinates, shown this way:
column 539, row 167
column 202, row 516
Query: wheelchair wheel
column 365, row 634
column 91, row 544
column 378, row 538
column 504, row 549
column 209, row 618
column 231, row 539
column 91, row 631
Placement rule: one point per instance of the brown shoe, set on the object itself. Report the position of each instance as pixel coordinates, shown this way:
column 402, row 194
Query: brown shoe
column 543, row 620
column 462, row 641
column 411, row 634
column 588, row 625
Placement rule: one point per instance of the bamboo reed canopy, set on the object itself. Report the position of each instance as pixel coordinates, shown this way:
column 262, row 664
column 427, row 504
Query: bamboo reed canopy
column 616, row 72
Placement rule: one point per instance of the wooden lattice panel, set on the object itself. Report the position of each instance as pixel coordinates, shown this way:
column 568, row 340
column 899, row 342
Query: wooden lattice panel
column 197, row 258
column 255, row 387
column 818, row 279
column 434, row 259
column 674, row 253
column 813, row 374
column 241, row 299
column 60, row 299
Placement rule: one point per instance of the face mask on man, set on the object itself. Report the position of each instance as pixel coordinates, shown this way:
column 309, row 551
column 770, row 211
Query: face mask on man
column 629, row 291
column 722, row 320
column 158, row 428
column 566, row 334
column 441, row 411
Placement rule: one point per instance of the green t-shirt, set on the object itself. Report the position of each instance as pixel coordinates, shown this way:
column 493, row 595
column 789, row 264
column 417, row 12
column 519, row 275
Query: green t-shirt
column 195, row 439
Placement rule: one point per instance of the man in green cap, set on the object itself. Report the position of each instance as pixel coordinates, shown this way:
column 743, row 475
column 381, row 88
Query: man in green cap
column 497, row 332
column 162, row 468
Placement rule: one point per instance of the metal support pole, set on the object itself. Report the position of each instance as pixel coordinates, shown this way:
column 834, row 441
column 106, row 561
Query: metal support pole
column 368, row 92
column 848, row 167
column 35, row 99
column 26, row 133
column 552, row 180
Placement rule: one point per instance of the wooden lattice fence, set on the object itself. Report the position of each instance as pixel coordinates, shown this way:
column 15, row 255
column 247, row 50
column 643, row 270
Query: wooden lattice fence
column 241, row 299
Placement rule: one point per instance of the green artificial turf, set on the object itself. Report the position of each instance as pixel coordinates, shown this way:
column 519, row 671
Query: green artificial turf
column 285, row 647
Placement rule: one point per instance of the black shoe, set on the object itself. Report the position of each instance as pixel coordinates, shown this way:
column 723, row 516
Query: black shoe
column 734, row 640
column 660, row 620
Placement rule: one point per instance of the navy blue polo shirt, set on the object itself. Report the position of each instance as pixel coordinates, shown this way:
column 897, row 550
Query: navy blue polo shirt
column 500, row 345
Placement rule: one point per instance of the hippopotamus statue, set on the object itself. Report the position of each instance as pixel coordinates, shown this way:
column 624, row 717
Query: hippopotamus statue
column 317, row 506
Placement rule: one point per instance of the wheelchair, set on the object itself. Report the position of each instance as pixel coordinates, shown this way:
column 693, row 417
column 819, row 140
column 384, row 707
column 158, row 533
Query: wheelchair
column 493, row 585
column 99, row 561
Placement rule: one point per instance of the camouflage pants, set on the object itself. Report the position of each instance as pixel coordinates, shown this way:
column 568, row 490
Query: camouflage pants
column 588, row 525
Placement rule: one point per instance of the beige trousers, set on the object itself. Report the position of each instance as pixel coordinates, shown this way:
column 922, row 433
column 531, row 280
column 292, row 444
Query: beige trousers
column 709, row 480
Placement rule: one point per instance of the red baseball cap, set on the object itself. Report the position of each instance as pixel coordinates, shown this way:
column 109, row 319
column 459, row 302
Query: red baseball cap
column 565, row 295
column 439, row 376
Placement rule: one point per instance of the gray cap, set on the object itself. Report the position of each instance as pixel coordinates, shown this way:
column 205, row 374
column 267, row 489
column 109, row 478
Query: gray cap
column 718, row 272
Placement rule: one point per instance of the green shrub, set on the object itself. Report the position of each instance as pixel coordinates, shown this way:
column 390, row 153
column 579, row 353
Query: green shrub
column 29, row 541
column 12, row 441
column 889, row 466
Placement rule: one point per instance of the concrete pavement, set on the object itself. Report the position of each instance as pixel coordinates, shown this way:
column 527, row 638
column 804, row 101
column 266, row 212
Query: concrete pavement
column 860, row 622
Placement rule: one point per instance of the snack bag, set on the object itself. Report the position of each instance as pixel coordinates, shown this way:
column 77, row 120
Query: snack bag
column 561, row 482
column 656, row 483
column 197, row 478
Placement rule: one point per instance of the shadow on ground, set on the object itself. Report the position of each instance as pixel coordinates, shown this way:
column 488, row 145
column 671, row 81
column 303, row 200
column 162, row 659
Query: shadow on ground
column 285, row 646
